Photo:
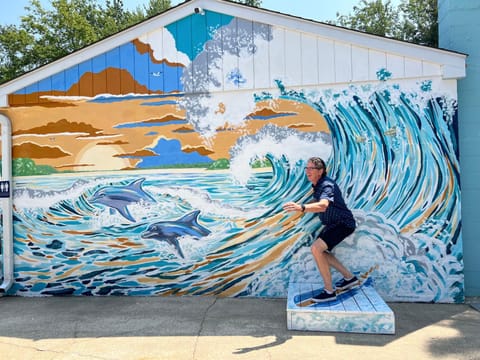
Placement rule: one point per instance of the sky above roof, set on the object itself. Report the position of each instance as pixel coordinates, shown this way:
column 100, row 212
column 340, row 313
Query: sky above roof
column 319, row 10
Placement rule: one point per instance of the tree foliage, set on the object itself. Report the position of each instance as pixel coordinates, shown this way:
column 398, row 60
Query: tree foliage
column 375, row 17
column 154, row 7
column 44, row 35
column 27, row 167
column 256, row 3
column 420, row 21
column 413, row 20
column 14, row 52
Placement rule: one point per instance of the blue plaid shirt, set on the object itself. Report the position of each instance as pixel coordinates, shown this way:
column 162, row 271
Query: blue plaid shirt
column 337, row 211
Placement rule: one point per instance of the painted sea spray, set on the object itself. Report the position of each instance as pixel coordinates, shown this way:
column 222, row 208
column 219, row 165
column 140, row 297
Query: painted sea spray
column 273, row 140
column 119, row 197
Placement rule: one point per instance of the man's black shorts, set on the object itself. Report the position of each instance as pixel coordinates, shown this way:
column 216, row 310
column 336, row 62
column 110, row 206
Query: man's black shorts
column 334, row 234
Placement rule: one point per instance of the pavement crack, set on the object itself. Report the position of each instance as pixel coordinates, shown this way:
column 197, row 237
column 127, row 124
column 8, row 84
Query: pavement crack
column 200, row 330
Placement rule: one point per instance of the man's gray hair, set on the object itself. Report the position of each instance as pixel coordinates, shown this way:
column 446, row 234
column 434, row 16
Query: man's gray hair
column 319, row 164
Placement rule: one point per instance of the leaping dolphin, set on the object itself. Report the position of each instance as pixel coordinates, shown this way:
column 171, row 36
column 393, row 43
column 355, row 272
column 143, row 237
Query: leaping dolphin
column 119, row 197
column 170, row 231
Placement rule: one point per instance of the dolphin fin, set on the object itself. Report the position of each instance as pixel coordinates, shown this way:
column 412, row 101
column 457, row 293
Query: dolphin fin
column 175, row 243
column 136, row 186
column 125, row 213
column 191, row 219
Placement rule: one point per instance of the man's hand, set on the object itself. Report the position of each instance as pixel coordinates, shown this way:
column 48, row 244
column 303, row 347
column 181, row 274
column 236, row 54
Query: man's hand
column 291, row 206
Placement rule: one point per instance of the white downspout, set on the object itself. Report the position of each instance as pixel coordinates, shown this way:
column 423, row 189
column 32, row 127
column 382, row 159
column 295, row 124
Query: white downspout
column 6, row 204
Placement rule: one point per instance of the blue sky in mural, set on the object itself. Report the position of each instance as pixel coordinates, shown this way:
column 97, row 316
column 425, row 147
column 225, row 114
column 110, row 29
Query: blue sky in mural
column 153, row 124
column 161, row 77
column 192, row 46
column 170, row 153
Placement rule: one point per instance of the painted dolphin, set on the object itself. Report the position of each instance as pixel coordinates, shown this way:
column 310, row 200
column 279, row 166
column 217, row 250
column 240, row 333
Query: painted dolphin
column 170, row 231
column 119, row 197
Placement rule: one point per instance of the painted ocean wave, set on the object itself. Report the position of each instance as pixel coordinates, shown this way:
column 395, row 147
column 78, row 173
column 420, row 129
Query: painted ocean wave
column 396, row 166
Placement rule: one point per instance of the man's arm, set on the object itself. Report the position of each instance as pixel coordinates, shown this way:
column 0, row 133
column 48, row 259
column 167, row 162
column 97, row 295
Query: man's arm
column 313, row 207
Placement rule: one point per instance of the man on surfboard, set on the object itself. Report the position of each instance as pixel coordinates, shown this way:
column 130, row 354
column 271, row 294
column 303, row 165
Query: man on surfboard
column 338, row 223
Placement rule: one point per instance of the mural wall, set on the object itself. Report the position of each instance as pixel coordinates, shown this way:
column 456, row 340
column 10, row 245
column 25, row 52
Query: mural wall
column 161, row 167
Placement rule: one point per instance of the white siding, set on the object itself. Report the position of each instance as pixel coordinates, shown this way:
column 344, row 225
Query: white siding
column 326, row 61
column 413, row 68
column 359, row 64
column 309, row 65
column 343, row 62
column 277, row 55
column 377, row 61
column 293, row 58
column 396, row 65
column 430, row 69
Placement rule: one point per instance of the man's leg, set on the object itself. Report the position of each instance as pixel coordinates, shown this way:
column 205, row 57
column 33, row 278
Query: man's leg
column 322, row 260
column 335, row 263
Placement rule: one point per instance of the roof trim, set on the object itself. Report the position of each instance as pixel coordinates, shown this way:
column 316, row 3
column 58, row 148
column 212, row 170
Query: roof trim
column 453, row 63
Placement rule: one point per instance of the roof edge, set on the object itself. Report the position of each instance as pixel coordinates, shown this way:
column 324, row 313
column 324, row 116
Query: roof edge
column 452, row 62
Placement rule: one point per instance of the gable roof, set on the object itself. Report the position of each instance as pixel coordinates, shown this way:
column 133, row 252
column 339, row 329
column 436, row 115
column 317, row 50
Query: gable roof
column 349, row 43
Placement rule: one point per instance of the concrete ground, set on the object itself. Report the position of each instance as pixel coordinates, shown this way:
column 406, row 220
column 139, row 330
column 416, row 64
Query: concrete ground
column 179, row 328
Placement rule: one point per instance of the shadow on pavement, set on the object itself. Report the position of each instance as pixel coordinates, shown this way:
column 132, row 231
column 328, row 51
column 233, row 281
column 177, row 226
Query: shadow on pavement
column 94, row 317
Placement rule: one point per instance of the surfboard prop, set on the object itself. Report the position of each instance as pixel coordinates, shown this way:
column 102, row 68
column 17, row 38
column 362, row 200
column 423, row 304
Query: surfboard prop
column 305, row 299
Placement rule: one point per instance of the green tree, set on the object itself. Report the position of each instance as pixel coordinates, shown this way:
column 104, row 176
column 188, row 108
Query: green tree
column 153, row 8
column 27, row 167
column 219, row 164
column 374, row 17
column 420, row 21
column 413, row 20
column 13, row 60
column 256, row 3
column 60, row 31
column 111, row 19
column 44, row 35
